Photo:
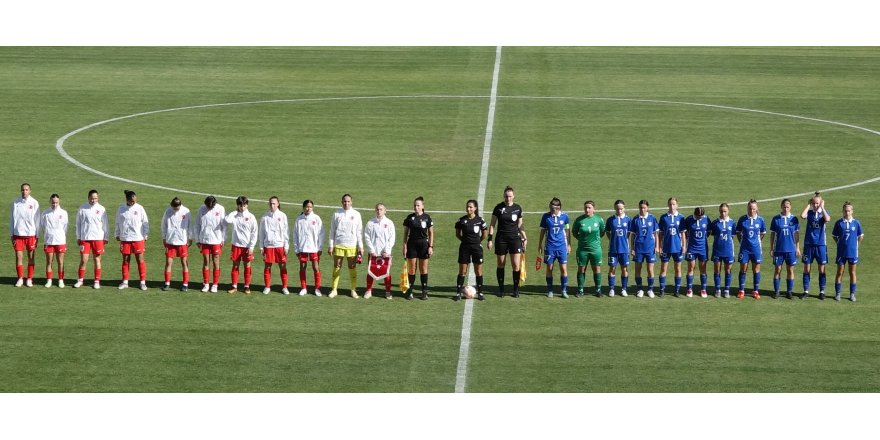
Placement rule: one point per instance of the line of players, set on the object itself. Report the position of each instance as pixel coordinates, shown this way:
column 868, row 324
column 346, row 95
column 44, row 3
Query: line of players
column 672, row 237
column 676, row 238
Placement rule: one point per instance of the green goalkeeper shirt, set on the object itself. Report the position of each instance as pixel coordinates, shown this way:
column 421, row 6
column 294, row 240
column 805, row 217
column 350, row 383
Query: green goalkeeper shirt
column 588, row 231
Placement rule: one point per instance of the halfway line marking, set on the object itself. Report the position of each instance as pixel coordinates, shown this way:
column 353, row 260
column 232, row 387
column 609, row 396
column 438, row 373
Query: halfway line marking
column 465, row 346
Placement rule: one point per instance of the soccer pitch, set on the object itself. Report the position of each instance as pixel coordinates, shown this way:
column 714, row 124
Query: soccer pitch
column 706, row 125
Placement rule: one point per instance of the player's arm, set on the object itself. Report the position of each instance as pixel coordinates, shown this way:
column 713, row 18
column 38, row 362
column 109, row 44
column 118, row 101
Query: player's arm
column 541, row 236
column 522, row 232
column 491, row 230
column 405, row 238
column 431, row 240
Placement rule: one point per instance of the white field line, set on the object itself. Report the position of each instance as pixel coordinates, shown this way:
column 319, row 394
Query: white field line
column 59, row 144
column 464, row 348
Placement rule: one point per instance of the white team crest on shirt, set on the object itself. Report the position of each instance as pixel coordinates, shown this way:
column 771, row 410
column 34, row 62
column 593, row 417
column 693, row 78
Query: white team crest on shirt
column 476, row 229
column 513, row 217
column 424, row 225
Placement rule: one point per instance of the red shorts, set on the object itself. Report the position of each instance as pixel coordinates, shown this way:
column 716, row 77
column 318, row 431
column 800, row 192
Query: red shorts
column 132, row 247
column 211, row 249
column 55, row 248
column 21, row 243
column 87, row 246
column 241, row 254
column 274, row 255
column 174, row 250
column 305, row 257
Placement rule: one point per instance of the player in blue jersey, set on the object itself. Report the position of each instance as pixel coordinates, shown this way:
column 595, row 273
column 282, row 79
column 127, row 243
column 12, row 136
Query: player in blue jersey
column 723, row 229
column 696, row 228
column 555, row 227
column 847, row 233
column 815, row 248
column 785, row 243
column 750, row 230
column 644, row 246
column 672, row 244
column 616, row 228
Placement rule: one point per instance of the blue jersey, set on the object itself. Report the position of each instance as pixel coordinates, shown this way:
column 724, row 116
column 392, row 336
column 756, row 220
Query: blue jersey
column 750, row 230
column 696, row 230
column 643, row 229
column 815, row 232
column 785, row 229
column 847, row 234
column 670, row 233
column 555, row 225
column 616, row 228
column 723, row 231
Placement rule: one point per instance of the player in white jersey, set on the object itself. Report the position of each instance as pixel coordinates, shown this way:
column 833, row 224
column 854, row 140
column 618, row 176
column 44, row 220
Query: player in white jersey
column 53, row 222
column 274, row 243
column 176, row 225
column 346, row 242
column 24, row 224
column 92, row 234
column 132, row 231
column 210, row 227
column 379, row 235
column 308, row 242
column 244, row 239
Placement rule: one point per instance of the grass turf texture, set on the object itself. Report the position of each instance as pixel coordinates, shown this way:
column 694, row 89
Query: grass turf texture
column 85, row 340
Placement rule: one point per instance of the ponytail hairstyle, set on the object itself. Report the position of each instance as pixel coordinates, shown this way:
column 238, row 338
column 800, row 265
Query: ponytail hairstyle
column 699, row 212
column 175, row 202
column 211, row 201
column 476, row 206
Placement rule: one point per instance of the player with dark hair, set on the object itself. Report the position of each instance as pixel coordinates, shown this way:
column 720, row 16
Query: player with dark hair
column 244, row 239
column 644, row 246
column 588, row 229
column 617, row 228
column 511, row 239
column 177, row 235
column 210, row 229
column 308, row 240
column 470, row 230
column 848, row 234
column 54, row 222
column 555, row 226
column 92, row 234
column 132, row 230
column 723, row 229
column 696, row 228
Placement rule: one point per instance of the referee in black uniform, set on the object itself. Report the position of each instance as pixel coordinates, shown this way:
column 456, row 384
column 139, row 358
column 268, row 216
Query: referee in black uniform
column 470, row 229
column 511, row 239
column 418, row 244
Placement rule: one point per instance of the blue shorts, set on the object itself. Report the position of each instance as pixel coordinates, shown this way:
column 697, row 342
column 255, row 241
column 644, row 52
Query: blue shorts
column 724, row 259
column 746, row 257
column 851, row 260
column 788, row 258
column 815, row 253
column 690, row 256
column 615, row 259
column 676, row 257
column 649, row 258
column 551, row 255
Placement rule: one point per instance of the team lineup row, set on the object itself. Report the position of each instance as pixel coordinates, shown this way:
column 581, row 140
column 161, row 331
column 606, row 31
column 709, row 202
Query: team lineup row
column 673, row 237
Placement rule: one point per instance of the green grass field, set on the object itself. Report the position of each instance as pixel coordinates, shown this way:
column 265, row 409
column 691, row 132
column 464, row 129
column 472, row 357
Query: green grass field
column 390, row 124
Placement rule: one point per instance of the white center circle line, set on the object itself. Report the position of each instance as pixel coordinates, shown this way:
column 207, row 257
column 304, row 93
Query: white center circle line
column 59, row 144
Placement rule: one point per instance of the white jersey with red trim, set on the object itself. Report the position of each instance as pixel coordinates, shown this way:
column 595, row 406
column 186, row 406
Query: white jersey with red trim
column 176, row 226
column 308, row 234
column 53, row 222
column 379, row 235
column 24, row 219
column 244, row 229
column 92, row 223
column 346, row 229
column 132, row 223
column 210, row 225
column 274, row 230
